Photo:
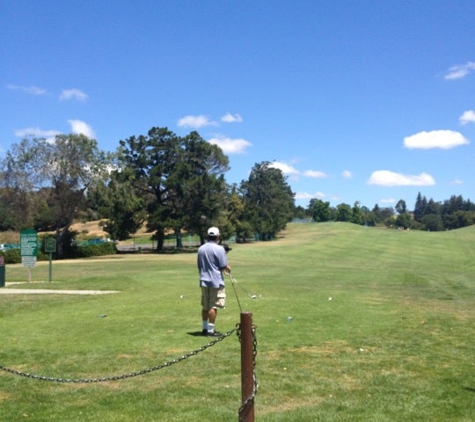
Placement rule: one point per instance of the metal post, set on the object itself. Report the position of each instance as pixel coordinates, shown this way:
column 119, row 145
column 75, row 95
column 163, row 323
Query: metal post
column 50, row 267
column 246, row 413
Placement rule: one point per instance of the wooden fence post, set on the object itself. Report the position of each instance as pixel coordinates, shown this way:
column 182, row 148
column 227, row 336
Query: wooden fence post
column 246, row 412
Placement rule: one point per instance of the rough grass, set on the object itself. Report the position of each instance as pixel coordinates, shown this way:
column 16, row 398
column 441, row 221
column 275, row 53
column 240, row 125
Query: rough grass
column 381, row 329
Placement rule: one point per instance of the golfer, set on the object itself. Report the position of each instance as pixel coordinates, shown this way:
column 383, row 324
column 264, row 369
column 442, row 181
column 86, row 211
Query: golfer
column 212, row 262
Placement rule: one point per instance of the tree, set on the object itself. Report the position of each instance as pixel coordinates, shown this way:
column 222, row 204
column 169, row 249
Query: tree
column 235, row 215
column 343, row 213
column 116, row 202
column 357, row 216
column 201, row 187
column 432, row 222
column 464, row 218
column 404, row 220
column 300, row 212
column 370, row 218
column 180, row 180
column 53, row 175
column 401, row 207
column 383, row 214
column 320, row 210
column 19, row 181
column 432, row 207
column 147, row 162
column 455, row 203
column 73, row 163
column 420, row 207
column 15, row 206
column 268, row 199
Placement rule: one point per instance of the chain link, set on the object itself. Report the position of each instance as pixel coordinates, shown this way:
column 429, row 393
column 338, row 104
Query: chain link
column 124, row 376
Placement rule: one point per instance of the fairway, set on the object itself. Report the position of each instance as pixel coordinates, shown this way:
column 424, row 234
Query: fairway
column 353, row 324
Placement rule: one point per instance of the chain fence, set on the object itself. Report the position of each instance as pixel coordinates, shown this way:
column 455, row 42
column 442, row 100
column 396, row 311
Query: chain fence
column 195, row 352
column 124, row 376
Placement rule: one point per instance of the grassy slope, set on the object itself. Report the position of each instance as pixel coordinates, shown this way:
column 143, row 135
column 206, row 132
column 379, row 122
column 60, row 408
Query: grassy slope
column 394, row 343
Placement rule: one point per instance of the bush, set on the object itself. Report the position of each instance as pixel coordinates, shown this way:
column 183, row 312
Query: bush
column 107, row 248
column 12, row 256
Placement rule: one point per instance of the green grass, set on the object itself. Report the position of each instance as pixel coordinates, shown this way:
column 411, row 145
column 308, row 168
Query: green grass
column 394, row 343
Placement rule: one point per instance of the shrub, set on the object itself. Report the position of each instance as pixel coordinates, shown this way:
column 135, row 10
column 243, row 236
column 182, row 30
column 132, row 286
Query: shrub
column 106, row 248
column 12, row 256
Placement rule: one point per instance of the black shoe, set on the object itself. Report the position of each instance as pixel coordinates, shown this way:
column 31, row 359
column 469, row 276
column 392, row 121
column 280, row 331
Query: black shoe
column 204, row 332
column 214, row 334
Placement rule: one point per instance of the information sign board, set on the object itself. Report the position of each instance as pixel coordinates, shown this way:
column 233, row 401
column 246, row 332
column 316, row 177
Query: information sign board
column 28, row 261
column 28, row 247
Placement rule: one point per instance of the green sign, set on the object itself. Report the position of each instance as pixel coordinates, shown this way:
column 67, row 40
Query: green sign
column 29, row 243
column 50, row 245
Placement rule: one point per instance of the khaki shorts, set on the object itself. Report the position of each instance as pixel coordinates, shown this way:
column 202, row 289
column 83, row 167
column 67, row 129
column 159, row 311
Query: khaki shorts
column 213, row 298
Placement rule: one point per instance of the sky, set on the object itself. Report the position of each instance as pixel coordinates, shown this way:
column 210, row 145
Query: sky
column 355, row 101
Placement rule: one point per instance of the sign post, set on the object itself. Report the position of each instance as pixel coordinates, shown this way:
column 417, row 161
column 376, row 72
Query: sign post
column 50, row 247
column 28, row 249
column 2, row 271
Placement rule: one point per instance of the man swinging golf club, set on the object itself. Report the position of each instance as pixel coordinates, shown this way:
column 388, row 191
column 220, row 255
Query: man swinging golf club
column 212, row 262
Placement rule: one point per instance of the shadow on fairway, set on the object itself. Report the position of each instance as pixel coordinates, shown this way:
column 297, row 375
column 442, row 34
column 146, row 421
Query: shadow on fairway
column 196, row 334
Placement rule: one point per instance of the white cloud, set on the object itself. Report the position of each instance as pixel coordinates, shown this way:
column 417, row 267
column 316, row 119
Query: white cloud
column 33, row 90
column 196, row 122
column 389, row 178
column 36, row 132
column 79, row 127
column 285, row 168
column 444, row 139
column 230, row 145
column 306, row 195
column 459, row 71
column 457, row 182
column 73, row 94
column 231, row 118
column 467, row 117
column 387, row 201
column 315, row 174
column 347, row 174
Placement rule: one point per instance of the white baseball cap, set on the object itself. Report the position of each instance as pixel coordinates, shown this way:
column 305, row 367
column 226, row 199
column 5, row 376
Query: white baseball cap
column 213, row 231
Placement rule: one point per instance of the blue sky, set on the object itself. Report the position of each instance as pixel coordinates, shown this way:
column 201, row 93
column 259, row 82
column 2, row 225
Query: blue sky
column 369, row 101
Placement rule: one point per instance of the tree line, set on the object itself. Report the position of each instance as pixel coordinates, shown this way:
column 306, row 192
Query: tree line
column 173, row 184
column 168, row 182
column 453, row 213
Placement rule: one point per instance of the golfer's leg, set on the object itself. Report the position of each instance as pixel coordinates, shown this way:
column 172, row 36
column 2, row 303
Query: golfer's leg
column 212, row 315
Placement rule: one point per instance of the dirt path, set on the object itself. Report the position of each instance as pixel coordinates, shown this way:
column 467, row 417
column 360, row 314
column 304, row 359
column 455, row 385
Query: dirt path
column 9, row 291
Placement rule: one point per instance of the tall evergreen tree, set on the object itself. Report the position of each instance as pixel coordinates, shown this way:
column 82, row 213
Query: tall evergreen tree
column 420, row 207
column 180, row 179
column 268, row 200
